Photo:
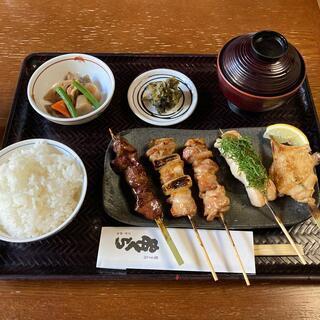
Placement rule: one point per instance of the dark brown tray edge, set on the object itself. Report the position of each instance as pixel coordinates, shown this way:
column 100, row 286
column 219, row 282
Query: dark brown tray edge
column 315, row 113
column 121, row 274
column 129, row 54
column 14, row 102
column 311, row 102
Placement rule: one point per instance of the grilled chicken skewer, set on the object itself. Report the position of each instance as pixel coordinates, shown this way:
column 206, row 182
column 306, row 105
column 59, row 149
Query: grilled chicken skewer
column 258, row 180
column 210, row 191
column 215, row 201
column 246, row 166
column 292, row 171
column 147, row 204
column 176, row 184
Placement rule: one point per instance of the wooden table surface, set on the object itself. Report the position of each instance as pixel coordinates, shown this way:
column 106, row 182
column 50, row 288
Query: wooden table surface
column 201, row 26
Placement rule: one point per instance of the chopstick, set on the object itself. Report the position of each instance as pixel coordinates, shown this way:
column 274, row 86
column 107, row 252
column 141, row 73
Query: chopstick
column 276, row 250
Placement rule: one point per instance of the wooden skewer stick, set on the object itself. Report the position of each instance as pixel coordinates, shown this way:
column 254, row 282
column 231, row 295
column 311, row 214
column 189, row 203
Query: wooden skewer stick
column 246, row 279
column 112, row 135
column 163, row 228
column 169, row 241
column 214, row 275
column 285, row 231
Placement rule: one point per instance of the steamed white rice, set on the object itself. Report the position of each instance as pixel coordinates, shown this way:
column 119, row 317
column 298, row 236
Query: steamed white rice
column 39, row 189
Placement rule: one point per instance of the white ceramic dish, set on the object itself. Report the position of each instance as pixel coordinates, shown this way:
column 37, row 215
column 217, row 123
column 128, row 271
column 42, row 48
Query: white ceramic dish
column 148, row 113
column 4, row 155
column 55, row 69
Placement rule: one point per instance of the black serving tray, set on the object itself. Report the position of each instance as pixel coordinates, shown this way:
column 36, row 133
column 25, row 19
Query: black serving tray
column 72, row 253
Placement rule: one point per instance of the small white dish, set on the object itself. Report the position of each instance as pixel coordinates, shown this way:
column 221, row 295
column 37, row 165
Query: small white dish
column 147, row 112
column 55, row 69
column 4, row 155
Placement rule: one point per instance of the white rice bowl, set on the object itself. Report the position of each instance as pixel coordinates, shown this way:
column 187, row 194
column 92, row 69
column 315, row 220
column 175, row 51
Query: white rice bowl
column 40, row 188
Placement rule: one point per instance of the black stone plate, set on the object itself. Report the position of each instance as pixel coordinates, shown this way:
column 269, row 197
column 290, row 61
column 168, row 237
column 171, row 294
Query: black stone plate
column 119, row 203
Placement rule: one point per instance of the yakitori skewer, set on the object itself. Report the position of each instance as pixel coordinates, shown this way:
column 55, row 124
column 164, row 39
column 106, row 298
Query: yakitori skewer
column 215, row 201
column 246, row 166
column 176, row 185
column 147, row 204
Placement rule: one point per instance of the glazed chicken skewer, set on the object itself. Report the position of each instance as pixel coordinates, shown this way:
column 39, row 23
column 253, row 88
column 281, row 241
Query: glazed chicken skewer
column 215, row 201
column 246, row 166
column 147, row 204
column 176, row 184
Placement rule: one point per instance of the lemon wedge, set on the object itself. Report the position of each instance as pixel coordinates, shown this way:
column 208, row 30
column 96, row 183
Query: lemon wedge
column 286, row 133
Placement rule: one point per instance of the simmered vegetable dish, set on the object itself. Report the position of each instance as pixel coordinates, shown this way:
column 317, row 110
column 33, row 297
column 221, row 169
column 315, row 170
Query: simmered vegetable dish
column 73, row 97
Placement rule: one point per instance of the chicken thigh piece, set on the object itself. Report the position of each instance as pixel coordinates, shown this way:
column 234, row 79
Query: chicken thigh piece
column 292, row 171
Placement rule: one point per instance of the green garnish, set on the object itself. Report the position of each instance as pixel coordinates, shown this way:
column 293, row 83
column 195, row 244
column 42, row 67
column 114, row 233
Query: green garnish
column 242, row 152
column 64, row 96
column 95, row 103
column 163, row 95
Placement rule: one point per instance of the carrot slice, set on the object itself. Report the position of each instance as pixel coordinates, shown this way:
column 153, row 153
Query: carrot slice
column 61, row 108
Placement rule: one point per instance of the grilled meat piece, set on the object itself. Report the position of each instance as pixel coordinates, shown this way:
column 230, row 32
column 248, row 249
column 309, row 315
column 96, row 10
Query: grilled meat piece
column 172, row 170
column 160, row 148
column 212, row 193
column 174, row 182
column 127, row 163
column 182, row 203
column 146, row 202
column 215, row 202
column 292, row 171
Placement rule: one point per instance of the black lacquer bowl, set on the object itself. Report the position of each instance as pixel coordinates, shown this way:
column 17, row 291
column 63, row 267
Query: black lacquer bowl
column 260, row 71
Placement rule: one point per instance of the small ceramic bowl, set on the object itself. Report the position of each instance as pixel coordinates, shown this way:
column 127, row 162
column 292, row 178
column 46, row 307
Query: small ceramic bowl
column 4, row 155
column 147, row 112
column 260, row 71
column 55, row 69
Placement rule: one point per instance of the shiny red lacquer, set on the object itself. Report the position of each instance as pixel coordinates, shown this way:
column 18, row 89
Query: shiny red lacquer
column 260, row 72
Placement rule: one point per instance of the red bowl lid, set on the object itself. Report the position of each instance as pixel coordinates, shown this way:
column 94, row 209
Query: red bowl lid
column 262, row 63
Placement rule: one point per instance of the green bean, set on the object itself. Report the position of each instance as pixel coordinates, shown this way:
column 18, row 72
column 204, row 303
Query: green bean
column 91, row 98
column 64, row 96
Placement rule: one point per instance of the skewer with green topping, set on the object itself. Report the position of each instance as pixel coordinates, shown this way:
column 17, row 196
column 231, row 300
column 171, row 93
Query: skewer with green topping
column 246, row 166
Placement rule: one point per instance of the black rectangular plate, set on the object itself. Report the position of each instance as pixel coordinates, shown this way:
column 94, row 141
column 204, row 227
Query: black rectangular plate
column 72, row 253
column 242, row 215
